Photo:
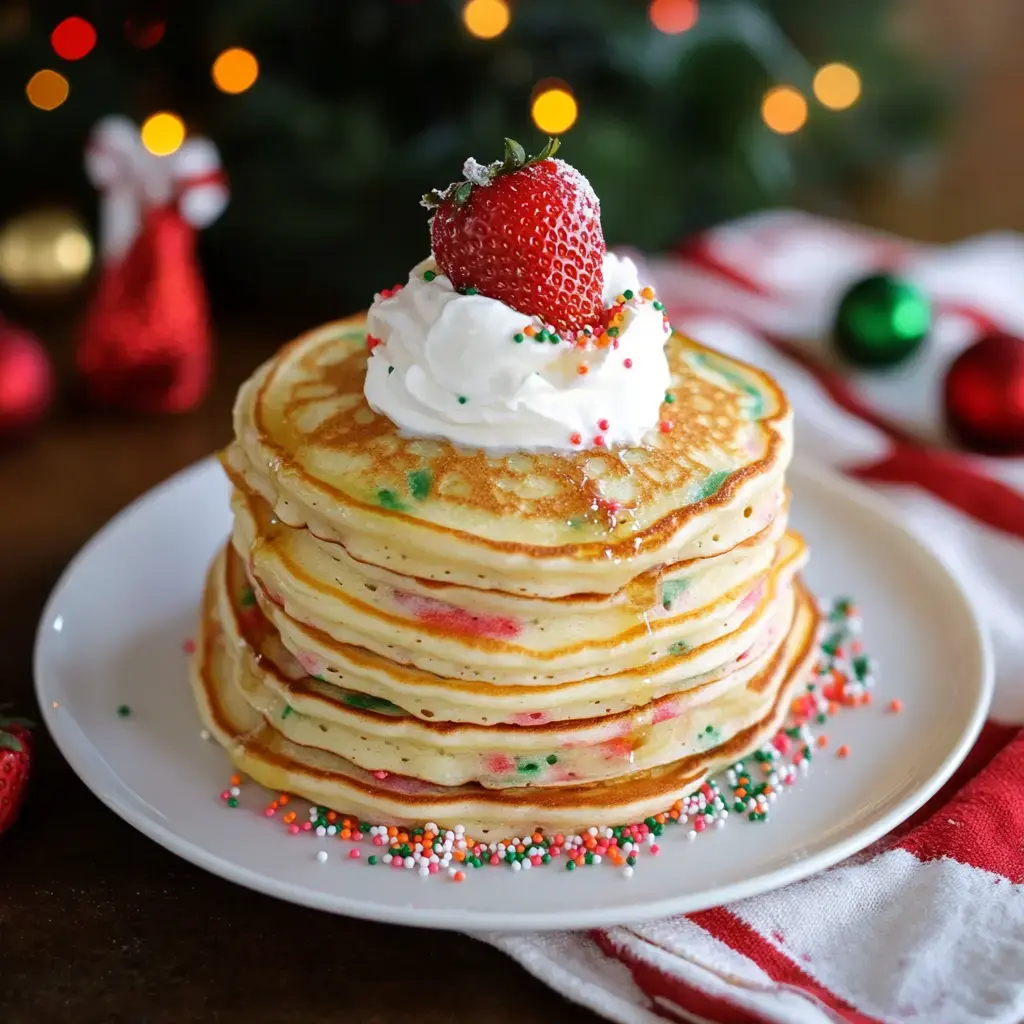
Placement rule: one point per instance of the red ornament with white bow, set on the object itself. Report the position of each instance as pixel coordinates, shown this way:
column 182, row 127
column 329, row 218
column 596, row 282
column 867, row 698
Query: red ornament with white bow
column 146, row 344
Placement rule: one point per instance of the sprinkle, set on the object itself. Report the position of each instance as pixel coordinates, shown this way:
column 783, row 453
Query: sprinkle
column 665, row 426
column 628, row 294
column 843, row 751
column 613, row 331
column 518, row 338
column 659, row 306
column 429, row 275
column 354, row 854
column 599, row 441
column 322, row 856
column 188, row 646
column 583, row 369
column 463, row 399
column 647, row 293
column 530, row 331
column 471, row 291
column 123, row 710
column 895, row 706
column 602, row 424
column 576, row 439
column 204, row 734
column 372, row 342
column 669, row 397
column 627, row 363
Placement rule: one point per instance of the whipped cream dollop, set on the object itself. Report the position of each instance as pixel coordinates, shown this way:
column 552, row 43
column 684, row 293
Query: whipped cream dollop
column 470, row 369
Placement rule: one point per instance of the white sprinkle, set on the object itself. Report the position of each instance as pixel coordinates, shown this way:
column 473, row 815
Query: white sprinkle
column 720, row 823
column 597, row 859
column 691, row 835
column 526, row 864
column 431, row 826
column 321, row 831
column 234, row 791
column 627, row 871
column 387, row 858
column 592, row 831
column 322, row 856
column 332, row 830
column 409, row 862
column 517, row 865
column 204, row 734
column 423, row 871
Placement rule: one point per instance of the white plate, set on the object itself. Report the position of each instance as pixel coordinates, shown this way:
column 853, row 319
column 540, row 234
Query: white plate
column 112, row 633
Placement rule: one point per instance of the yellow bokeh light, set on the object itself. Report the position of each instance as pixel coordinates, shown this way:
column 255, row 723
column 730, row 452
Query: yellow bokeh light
column 486, row 19
column 554, row 111
column 47, row 89
column 784, row 109
column 837, row 86
column 235, row 70
column 163, row 134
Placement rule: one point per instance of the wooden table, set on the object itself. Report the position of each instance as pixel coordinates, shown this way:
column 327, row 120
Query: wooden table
column 98, row 923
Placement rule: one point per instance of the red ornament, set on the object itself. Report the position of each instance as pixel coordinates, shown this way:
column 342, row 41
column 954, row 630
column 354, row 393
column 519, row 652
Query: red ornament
column 26, row 382
column 145, row 345
column 984, row 395
column 15, row 765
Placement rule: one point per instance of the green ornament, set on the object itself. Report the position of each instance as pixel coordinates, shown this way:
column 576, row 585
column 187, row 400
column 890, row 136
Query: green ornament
column 881, row 321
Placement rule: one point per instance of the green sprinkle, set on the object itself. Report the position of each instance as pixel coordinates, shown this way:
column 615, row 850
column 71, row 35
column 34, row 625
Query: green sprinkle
column 372, row 859
column 628, row 293
column 659, row 306
column 669, row 397
column 541, row 335
column 391, row 370
column 711, row 729
column 124, row 711
column 428, row 275
column 529, row 768
column 248, row 598
column 679, row 647
column 589, row 858
column 364, row 826
column 287, row 711
column 369, row 703
column 232, row 801
column 631, row 860
column 711, row 484
column 613, row 331
column 570, row 865
column 471, row 291
column 518, row 338
column 650, row 822
column 546, row 858
column 554, row 339
column 463, row 399
column 551, row 759
column 388, row 499
column 419, row 483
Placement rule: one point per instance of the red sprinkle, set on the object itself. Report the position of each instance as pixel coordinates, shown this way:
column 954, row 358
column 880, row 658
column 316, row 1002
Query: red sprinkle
column 189, row 647
column 627, row 363
column 354, row 855
column 599, row 441
column 602, row 424
column 665, row 426
column 843, row 751
column 895, row 705
column 372, row 342
column 576, row 439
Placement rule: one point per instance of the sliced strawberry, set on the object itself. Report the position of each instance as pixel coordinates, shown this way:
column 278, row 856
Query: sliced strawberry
column 525, row 231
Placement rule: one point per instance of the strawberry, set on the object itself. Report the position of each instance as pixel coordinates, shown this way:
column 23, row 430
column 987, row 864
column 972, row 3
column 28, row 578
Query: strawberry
column 15, row 761
column 525, row 231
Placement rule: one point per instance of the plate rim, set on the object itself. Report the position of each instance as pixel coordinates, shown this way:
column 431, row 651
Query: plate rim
column 467, row 920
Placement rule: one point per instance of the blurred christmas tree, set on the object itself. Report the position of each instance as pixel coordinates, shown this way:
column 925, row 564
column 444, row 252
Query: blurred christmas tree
column 358, row 106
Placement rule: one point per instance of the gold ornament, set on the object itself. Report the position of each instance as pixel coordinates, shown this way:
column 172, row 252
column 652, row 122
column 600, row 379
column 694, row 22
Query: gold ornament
column 45, row 250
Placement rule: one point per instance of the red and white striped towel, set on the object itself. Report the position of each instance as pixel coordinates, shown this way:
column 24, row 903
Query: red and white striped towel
column 928, row 925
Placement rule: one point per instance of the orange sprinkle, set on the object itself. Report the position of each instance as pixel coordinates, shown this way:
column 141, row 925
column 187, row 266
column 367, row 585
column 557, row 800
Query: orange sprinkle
column 283, row 799
column 403, row 837
column 843, row 751
column 741, row 793
column 459, row 855
column 833, row 707
column 744, row 780
column 530, row 331
column 274, row 805
column 620, row 299
column 602, row 341
column 559, row 839
column 392, row 831
column 678, row 805
column 332, row 816
column 459, row 876
column 289, row 817
column 537, row 837
column 590, row 842
column 768, row 790
column 236, row 780
column 822, row 740
column 674, row 814
column 520, row 848
column 866, row 698
column 583, row 369
column 895, row 705
column 345, row 833
column 648, row 292
column 661, row 818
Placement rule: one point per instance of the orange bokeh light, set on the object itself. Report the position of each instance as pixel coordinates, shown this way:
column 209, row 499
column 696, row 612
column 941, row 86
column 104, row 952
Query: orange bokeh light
column 673, row 16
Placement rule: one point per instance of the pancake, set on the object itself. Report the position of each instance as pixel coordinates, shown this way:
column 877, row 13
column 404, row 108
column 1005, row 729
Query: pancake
column 313, row 713
column 547, row 524
column 259, row 749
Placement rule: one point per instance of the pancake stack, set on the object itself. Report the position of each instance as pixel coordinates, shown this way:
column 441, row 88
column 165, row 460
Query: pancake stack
column 410, row 631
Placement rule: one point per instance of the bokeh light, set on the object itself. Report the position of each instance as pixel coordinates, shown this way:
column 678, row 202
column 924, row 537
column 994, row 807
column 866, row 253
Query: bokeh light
column 73, row 38
column 554, row 110
column 144, row 34
column 47, row 89
column 673, row 16
column 784, row 109
column 163, row 133
column 235, row 70
column 837, row 86
column 486, row 19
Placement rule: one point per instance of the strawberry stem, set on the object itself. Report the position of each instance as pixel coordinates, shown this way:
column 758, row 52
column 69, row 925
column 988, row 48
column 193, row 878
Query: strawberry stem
column 515, row 159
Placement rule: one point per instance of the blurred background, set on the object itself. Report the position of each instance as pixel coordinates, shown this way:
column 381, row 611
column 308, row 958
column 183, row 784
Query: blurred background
column 332, row 118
